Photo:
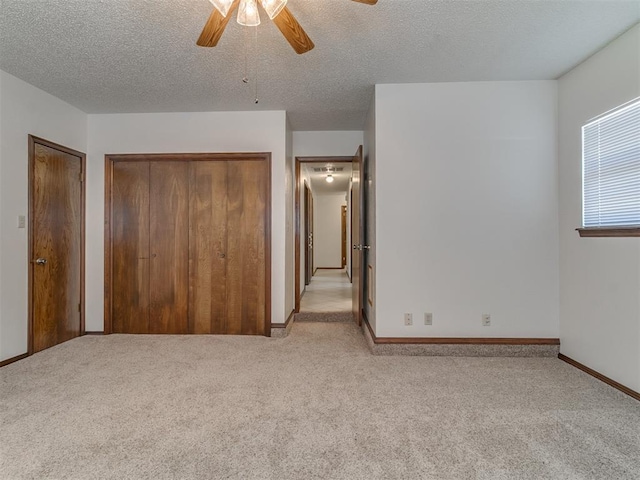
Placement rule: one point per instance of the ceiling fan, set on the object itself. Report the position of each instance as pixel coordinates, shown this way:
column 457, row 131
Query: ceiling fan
column 248, row 15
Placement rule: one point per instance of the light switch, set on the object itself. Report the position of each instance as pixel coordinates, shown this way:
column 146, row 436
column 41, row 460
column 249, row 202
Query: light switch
column 21, row 221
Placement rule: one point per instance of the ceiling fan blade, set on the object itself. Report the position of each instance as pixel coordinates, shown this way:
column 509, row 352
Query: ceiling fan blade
column 293, row 32
column 368, row 2
column 214, row 28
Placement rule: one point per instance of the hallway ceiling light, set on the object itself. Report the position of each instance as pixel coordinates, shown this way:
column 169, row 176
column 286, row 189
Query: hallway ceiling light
column 329, row 178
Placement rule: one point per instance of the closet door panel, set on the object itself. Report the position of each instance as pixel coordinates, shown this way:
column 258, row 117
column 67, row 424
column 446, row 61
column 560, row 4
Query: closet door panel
column 169, row 247
column 130, row 247
column 208, row 251
column 247, row 190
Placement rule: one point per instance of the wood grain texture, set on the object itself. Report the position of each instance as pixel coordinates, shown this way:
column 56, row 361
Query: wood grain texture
column 130, row 247
column 357, row 233
column 215, row 26
column 56, row 235
column 599, row 376
column 609, row 232
column 208, row 247
column 169, row 247
column 208, row 196
column 246, row 233
column 293, row 31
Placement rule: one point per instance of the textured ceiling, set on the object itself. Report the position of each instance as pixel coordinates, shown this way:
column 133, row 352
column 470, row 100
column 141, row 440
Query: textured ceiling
column 107, row 56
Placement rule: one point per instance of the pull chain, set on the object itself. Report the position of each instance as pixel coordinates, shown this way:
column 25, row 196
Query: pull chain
column 245, row 77
column 256, row 62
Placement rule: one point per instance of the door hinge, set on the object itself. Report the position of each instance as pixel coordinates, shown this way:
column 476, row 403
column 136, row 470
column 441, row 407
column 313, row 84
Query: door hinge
column 82, row 176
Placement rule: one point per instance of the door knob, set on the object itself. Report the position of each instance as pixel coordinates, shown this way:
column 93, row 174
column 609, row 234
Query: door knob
column 366, row 247
column 357, row 247
column 41, row 261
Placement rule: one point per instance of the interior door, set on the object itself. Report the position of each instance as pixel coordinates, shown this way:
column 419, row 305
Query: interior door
column 357, row 236
column 248, row 265
column 169, row 247
column 130, row 247
column 308, row 230
column 343, row 230
column 56, row 244
column 208, row 248
column 230, row 261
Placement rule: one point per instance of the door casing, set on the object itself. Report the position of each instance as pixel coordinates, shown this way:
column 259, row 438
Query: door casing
column 299, row 227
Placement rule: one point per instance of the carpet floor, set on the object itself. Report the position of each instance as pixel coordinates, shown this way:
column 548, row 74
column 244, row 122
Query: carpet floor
column 314, row 405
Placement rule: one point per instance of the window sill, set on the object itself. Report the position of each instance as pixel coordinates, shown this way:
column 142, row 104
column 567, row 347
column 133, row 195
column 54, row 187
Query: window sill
column 609, row 232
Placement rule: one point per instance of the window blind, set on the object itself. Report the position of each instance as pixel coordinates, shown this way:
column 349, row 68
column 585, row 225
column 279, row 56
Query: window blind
column 611, row 168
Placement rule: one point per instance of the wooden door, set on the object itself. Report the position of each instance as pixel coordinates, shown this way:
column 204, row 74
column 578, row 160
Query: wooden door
column 169, row 247
column 188, row 244
column 208, row 247
column 246, row 256
column 130, row 264
column 308, row 230
column 343, row 229
column 357, row 237
column 56, row 274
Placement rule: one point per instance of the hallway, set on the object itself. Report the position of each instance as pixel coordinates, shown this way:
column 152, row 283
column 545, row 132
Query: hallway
column 329, row 291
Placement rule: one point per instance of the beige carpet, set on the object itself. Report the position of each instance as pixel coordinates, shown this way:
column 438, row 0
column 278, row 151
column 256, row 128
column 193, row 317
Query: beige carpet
column 315, row 405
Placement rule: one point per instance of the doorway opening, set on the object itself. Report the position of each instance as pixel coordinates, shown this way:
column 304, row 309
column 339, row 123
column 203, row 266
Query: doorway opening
column 328, row 222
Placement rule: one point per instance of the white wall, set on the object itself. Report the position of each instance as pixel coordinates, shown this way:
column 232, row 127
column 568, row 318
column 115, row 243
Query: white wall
column 329, row 144
column 175, row 133
column 599, row 277
column 327, row 230
column 24, row 110
column 467, row 199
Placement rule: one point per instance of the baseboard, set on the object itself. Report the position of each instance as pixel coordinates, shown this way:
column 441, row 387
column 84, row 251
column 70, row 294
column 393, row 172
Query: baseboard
column 8, row 361
column 460, row 346
column 599, row 376
column 280, row 330
column 94, row 333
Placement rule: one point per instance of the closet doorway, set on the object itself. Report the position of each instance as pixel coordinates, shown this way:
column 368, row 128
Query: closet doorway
column 187, row 244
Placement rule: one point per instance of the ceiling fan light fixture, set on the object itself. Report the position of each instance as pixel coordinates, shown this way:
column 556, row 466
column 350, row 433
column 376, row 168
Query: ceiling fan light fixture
column 273, row 7
column 222, row 6
column 248, row 13
column 329, row 178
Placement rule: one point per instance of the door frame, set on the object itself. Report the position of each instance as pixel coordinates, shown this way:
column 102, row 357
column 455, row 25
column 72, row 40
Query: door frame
column 109, row 161
column 297, row 219
column 33, row 140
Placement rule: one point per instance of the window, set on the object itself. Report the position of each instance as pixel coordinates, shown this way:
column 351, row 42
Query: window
column 611, row 173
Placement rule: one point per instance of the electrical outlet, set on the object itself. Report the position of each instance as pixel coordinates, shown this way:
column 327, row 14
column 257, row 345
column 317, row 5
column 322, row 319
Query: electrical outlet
column 408, row 319
column 486, row 320
column 428, row 319
column 21, row 221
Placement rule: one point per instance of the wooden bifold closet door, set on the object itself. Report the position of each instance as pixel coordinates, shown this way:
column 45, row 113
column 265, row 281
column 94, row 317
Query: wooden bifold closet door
column 189, row 246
